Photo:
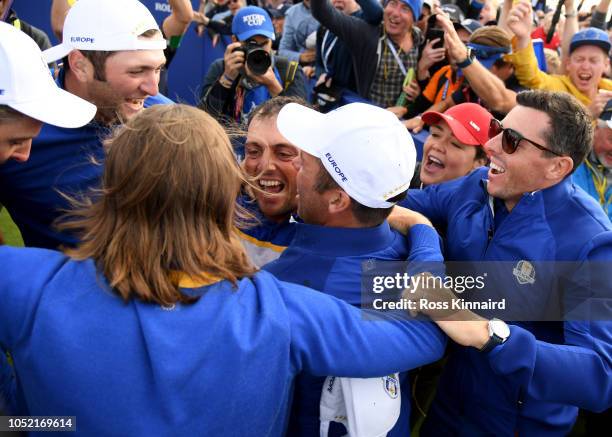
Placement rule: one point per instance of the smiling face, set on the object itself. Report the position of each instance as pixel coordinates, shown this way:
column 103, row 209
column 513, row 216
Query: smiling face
column 512, row 175
column 398, row 18
column 269, row 156
column 16, row 134
column 585, row 68
column 444, row 157
column 131, row 77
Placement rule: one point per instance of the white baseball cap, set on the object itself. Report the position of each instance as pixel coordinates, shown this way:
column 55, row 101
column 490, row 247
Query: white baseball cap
column 365, row 149
column 367, row 407
column 106, row 25
column 27, row 86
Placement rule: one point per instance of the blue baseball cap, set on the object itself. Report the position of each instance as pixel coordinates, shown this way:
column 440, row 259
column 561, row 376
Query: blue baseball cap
column 250, row 21
column 415, row 6
column 591, row 36
column 487, row 55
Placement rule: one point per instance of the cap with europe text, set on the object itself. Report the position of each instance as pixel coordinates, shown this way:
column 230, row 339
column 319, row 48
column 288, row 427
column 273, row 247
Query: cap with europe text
column 106, row 25
column 365, row 149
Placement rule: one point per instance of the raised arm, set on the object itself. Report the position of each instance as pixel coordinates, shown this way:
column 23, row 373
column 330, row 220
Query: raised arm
column 485, row 84
column 569, row 30
column 176, row 24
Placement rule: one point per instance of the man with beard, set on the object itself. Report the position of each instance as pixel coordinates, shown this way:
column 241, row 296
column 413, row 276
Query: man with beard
column 381, row 55
column 112, row 53
column 595, row 174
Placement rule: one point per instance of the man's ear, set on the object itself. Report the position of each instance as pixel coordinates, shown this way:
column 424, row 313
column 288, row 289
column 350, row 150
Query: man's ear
column 80, row 66
column 337, row 200
column 559, row 168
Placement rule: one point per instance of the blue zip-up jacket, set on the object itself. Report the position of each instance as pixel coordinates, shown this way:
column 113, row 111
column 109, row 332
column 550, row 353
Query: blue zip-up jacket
column 533, row 383
column 583, row 177
column 223, row 366
column 68, row 161
column 330, row 259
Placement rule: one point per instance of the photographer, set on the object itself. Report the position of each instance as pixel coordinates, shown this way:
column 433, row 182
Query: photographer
column 249, row 74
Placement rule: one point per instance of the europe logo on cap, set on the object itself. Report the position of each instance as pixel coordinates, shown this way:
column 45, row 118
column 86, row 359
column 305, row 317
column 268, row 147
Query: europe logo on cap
column 251, row 21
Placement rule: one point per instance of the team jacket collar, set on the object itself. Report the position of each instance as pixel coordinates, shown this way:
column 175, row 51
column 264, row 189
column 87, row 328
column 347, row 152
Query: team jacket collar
column 342, row 241
column 552, row 197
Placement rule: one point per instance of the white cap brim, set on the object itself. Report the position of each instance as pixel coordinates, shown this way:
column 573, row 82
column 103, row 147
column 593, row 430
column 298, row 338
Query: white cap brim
column 55, row 53
column 300, row 125
column 58, row 108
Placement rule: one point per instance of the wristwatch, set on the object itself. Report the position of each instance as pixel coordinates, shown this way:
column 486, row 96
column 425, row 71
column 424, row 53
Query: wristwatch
column 468, row 60
column 498, row 334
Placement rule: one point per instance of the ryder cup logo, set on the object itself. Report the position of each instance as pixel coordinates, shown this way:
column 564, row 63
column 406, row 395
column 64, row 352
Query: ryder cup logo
column 391, row 385
column 254, row 19
column 524, row 272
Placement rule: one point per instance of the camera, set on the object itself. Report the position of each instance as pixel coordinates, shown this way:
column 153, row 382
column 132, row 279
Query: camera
column 257, row 58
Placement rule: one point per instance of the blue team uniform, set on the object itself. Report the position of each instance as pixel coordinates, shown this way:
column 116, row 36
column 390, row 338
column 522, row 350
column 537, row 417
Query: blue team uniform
column 533, row 383
column 223, row 366
column 68, row 161
column 265, row 240
column 330, row 259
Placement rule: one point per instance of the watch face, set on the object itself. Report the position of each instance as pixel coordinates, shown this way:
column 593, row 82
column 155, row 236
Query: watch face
column 499, row 328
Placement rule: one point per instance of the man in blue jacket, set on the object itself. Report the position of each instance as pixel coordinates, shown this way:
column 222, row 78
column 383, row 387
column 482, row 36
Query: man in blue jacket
column 356, row 162
column 112, row 54
column 531, row 378
column 595, row 174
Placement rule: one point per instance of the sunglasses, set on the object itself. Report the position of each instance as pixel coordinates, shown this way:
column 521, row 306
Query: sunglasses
column 512, row 138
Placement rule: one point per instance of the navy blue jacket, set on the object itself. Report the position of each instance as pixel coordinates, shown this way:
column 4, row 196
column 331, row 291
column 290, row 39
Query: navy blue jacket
column 533, row 383
column 330, row 260
column 68, row 161
column 222, row 366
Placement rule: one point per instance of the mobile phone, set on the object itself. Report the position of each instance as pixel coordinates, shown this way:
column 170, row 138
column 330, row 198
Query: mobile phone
column 433, row 32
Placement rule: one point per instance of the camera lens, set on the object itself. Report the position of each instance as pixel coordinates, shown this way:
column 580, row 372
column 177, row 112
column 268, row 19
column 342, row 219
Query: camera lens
column 258, row 61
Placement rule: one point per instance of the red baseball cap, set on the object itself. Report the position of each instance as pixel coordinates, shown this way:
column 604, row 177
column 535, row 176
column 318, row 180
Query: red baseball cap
column 469, row 122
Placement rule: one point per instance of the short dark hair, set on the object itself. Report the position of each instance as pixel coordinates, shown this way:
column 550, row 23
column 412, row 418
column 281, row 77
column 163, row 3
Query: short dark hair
column 98, row 57
column 570, row 131
column 364, row 214
column 9, row 114
column 272, row 107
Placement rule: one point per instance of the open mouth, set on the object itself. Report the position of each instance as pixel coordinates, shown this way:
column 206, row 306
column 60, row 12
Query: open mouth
column 434, row 164
column 134, row 104
column 585, row 77
column 271, row 185
column 497, row 169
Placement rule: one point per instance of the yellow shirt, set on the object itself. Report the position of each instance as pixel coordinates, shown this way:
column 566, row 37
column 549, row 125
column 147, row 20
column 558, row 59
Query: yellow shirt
column 530, row 76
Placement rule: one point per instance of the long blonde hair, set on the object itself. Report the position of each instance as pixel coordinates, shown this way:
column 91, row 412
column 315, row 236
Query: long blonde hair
column 167, row 204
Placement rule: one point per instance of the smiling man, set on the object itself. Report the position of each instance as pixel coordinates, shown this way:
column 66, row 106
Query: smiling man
column 524, row 208
column 112, row 54
column 269, row 160
column 595, row 174
column 381, row 54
